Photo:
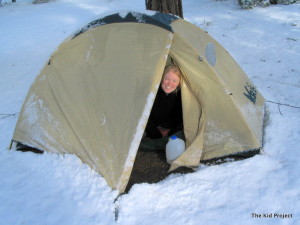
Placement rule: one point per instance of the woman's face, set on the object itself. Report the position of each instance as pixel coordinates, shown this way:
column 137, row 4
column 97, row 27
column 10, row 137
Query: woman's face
column 170, row 82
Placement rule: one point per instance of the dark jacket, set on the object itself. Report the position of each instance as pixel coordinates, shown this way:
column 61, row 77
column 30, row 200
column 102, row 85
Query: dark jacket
column 166, row 112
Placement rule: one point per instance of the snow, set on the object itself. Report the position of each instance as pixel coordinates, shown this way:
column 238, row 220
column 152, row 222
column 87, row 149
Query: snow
column 56, row 189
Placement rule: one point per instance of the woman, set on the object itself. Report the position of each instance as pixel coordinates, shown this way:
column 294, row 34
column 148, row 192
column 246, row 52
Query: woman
column 166, row 115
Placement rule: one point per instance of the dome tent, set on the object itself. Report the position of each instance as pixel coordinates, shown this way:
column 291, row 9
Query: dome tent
column 95, row 94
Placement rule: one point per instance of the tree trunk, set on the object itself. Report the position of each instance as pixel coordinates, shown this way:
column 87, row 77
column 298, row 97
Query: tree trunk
column 166, row 6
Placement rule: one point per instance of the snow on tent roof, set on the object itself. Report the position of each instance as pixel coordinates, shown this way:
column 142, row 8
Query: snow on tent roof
column 157, row 19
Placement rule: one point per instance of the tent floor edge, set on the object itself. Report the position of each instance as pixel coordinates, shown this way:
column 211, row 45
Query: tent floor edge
column 232, row 157
column 24, row 148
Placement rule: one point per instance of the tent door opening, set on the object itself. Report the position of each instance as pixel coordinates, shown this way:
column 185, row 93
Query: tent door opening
column 150, row 163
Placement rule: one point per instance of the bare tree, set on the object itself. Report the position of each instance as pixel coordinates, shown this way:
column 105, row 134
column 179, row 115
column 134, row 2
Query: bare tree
column 165, row 6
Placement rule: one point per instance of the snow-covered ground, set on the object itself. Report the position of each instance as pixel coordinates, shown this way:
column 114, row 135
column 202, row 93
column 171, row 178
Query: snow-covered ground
column 60, row 190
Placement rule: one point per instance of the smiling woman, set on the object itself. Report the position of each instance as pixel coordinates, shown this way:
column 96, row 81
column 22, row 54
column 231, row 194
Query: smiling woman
column 171, row 79
column 166, row 115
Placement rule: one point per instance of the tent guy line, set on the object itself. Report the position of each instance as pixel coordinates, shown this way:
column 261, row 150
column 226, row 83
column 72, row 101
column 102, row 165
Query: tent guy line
column 278, row 103
column 5, row 115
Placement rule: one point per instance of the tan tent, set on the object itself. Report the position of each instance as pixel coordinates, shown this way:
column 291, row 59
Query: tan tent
column 95, row 94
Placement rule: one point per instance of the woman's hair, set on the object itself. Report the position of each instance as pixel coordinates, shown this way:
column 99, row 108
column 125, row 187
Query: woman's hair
column 175, row 69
